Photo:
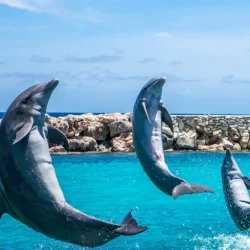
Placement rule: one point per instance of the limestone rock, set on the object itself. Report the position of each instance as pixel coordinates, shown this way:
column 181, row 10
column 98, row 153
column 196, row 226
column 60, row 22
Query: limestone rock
column 119, row 127
column 236, row 147
column 83, row 144
column 97, row 130
column 167, row 131
column 181, row 126
column 244, row 140
column 203, row 147
column 167, row 142
column 59, row 123
column 123, row 143
column 185, row 141
column 57, row 149
column 201, row 129
column 190, row 121
column 107, row 118
column 200, row 142
column 234, row 134
column 104, row 147
column 227, row 144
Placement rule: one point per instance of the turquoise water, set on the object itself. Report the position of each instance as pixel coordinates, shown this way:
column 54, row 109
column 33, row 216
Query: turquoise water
column 109, row 185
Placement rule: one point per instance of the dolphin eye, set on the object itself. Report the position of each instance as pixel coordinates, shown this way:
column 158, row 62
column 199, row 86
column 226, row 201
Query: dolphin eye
column 25, row 100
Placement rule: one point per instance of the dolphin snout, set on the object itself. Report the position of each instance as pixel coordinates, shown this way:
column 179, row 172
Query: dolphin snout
column 52, row 84
column 228, row 152
column 162, row 80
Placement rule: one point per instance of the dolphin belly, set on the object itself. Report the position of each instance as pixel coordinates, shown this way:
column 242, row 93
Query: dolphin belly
column 234, row 192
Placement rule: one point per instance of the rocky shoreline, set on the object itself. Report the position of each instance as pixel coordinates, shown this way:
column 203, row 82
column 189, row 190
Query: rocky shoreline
column 113, row 133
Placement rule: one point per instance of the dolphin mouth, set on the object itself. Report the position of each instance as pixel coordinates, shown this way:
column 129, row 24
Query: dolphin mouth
column 51, row 85
column 161, row 81
column 228, row 152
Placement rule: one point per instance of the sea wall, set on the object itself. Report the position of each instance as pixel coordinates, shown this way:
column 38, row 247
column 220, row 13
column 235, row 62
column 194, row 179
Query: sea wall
column 113, row 132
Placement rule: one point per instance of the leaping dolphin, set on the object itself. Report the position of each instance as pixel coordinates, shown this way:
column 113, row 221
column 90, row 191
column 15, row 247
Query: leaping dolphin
column 148, row 114
column 29, row 189
column 235, row 187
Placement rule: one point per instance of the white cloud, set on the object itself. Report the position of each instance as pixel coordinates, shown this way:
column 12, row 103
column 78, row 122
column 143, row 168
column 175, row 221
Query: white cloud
column 30, row 5
column 56, row 8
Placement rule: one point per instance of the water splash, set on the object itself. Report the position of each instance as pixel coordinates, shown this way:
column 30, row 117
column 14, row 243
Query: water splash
column 222, row 242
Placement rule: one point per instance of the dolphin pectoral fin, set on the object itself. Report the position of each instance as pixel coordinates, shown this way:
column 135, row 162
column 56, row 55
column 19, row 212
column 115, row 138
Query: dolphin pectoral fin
column 145, row 111
column 166, row 118
column 23, row 131
column 56, row 136
column 246, row 181
column 129, row 226
column 185, row 188
column 247, row 202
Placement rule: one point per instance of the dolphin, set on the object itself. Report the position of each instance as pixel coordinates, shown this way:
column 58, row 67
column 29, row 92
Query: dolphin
column 148, row 114
column 235, row 188
column 29, row 189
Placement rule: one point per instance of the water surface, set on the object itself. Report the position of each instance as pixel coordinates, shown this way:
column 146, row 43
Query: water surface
column 109, row 185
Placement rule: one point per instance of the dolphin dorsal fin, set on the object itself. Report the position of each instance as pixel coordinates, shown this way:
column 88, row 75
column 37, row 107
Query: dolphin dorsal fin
column 166, row 118
column 145, row 110
column 23, row 131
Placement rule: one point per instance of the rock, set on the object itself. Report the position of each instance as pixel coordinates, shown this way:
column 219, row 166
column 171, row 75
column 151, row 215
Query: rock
column 167, row 131
column 81, row 127
column 181, row 126
column 61, row 124
column 234, row 134
column 203, row 147
column 122, row 143
column 119, row 127
column 104, row 147
column 185, row 142
column 217, row 134
column 97, row 130
column 201, row 129
column 83, row 144
column 200, row 142
column 88, row 118
column 57, row 149
column 244, row 140
column 220, row 148
column 227, row 144
column 236, row 147
column 241, row 130
column 190, row 121
column 107, row 118
column 167, row 142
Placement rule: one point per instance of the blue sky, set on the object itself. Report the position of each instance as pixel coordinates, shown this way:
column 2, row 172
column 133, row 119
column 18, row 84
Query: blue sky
column 104, row 51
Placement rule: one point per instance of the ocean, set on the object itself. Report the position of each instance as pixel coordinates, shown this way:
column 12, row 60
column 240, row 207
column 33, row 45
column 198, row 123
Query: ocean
column 57, row 114
column 107, row 186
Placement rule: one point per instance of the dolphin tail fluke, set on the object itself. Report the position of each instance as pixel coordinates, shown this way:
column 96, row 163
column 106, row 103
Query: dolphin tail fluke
column 186, row 188
column 129, row 226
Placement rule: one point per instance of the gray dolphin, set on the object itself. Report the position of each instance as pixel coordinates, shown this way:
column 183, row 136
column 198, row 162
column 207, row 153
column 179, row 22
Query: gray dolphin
column 235, row 187
column 148, row 114
column 29, row 189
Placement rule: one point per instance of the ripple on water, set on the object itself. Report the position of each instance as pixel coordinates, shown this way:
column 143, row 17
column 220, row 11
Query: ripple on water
column 108, row 186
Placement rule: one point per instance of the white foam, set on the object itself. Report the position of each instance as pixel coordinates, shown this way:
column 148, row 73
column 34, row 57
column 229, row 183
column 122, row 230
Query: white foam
column 222, row 242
